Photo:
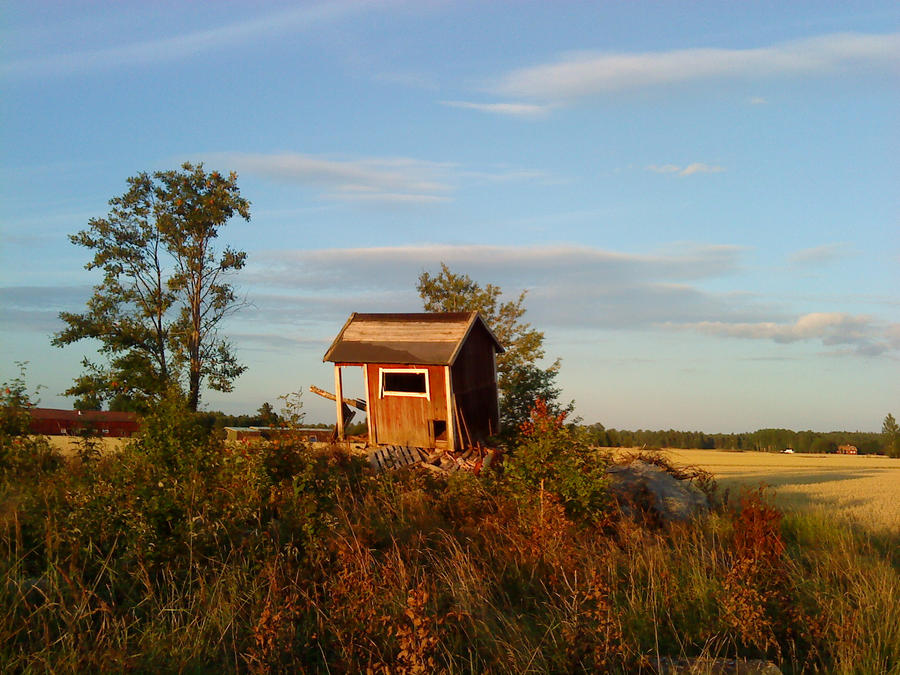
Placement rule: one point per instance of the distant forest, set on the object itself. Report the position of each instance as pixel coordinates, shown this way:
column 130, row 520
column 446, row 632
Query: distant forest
column 766, row 440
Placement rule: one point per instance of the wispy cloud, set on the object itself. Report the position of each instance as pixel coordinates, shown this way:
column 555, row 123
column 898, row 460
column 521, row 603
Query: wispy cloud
column 392, row 180
column 757, row 100
column 523, row 266
column 817, row 255
column 292, row 292
column 864, row 334
column 687, row 170
column 37, row 308
column 568, row 285
column 527, row 110
column 584, row 74
column 184, row 45
column 385, row 180
column 506, row 175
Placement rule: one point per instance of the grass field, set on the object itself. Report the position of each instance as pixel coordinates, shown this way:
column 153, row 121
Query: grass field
column 864, row 489
column 187, row 556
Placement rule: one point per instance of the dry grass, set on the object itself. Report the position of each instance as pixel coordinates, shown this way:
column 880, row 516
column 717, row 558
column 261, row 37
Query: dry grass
column 863, row 489
column 275, row 558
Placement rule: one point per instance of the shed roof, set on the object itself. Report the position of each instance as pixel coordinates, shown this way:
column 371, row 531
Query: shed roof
column 420, row 339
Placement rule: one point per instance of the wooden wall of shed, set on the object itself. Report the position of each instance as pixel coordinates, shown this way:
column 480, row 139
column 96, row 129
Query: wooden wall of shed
column 475, row 386
column 406, row 420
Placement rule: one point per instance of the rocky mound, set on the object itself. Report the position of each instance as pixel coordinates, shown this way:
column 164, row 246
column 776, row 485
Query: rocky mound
column 646, row 489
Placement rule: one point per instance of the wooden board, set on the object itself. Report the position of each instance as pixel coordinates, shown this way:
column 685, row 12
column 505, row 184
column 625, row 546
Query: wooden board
column 407, row 420
column 412, row 331
column 390, row 457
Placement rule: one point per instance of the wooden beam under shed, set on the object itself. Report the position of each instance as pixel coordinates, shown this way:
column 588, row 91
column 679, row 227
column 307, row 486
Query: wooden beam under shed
column 369, row 421
column 357, row 403
column 451, row 418
column 339, row 402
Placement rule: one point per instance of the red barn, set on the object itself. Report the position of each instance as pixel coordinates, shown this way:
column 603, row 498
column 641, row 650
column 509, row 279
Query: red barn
column 53, row 422
column 430, row 378
column 847, row 450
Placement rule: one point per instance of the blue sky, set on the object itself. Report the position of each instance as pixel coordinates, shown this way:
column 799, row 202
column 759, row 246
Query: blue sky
column 700, row 198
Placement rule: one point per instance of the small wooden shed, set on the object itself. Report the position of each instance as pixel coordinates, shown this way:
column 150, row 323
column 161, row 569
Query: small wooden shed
column 430, row 378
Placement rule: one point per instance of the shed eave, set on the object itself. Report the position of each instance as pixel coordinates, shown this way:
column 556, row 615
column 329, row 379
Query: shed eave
column 337, row 339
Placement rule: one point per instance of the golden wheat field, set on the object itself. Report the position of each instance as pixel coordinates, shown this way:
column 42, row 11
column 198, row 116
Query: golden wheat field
column 864, row 489
column 68, row 445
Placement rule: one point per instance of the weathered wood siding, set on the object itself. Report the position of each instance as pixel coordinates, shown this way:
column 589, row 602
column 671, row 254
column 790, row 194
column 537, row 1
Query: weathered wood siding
column 475, row 386
column 407, row 420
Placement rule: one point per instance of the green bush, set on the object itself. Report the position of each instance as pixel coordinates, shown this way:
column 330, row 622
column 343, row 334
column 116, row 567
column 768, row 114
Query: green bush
column 178, row 439
column 558, row 459
column 19, row 452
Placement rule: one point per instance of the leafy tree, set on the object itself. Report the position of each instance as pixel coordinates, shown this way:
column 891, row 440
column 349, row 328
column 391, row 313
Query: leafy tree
column 15, row 404
column 526, row 385
column 267, row 416
column 20, row 451
column 520, row 380
column 164, row 291
column 823, row 445
column 891, row 432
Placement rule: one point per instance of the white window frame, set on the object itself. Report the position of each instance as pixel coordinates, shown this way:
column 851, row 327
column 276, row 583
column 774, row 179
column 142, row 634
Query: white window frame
column 412, row 394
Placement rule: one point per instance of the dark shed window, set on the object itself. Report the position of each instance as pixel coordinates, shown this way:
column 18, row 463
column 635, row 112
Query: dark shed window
column 404, row 382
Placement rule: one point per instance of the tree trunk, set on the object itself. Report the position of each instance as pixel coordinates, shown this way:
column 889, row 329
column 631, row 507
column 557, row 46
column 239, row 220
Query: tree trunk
column 194, row 388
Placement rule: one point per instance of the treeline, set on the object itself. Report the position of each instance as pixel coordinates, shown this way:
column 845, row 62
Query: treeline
column 765, row 440
column 216, row 421
column 265, row 416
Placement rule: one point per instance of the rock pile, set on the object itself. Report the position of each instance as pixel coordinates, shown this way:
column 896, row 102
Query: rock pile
column 642, row 488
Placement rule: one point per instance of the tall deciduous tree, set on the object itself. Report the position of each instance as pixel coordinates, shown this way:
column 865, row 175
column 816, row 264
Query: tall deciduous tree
column 520, row 379
column 164, row 292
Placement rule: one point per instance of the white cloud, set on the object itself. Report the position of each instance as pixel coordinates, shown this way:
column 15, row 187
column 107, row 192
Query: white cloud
column 529, row 110
column 825, row 253
column 506, row 175
column 178, row 47
column 386, row 197
column 862, row 333
column 373, row 179
column 522, row 266
column 584, row 74
column 385, row 180
column 295, row 291
column 570, row 286
column 757, row 100
column 37, row 307
column 688, row 170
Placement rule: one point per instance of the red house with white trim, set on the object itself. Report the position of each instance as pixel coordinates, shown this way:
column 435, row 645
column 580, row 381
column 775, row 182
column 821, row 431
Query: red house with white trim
column 55, row 422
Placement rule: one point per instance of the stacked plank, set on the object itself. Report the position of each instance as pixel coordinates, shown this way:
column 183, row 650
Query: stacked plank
column 474, row 459
column 390, row 457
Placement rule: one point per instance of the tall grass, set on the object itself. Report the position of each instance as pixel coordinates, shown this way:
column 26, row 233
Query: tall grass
column 276, row 558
